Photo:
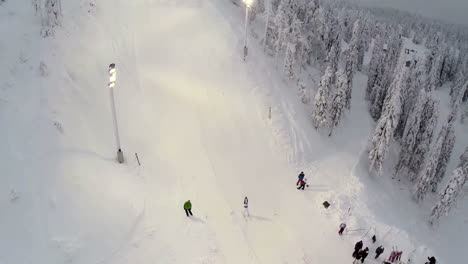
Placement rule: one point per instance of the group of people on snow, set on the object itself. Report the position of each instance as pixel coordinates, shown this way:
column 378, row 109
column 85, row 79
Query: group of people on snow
column 359, row 254
column 395, row 255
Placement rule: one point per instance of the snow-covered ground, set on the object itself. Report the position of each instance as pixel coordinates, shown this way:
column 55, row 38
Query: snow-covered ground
column 197, row 116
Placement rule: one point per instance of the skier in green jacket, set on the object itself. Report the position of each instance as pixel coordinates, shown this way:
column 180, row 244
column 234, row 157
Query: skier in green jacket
column 188, row 208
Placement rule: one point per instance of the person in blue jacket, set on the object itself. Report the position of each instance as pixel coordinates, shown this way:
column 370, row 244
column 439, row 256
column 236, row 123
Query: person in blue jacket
column 300, row 177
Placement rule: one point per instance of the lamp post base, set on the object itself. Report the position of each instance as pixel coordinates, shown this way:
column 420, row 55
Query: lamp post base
column 120, row 156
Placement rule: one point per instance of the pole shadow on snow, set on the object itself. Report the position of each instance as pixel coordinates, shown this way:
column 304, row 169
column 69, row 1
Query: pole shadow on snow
column 318, row 188
column 87, row 153
column 197, row 219
column 261, row 218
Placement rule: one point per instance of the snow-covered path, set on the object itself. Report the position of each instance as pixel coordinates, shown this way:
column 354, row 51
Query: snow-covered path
column 202, row 136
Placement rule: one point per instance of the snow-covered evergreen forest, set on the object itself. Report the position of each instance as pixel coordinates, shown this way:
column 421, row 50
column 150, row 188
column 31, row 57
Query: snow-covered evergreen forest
column 335, row 37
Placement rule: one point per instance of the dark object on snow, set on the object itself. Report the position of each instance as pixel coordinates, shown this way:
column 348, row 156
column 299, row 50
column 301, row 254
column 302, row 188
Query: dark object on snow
column 342, row 228
column 326, row 204
column 432, row 260
column 302, row 184
column 357, row 247
column 374, row 239
column 363, row 254
column 379, row 251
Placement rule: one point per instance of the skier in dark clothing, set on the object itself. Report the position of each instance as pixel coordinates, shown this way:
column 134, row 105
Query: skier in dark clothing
column 302, row 184
column 432, row 260
column 363, row 254
column 379, row 251
column 300, row 177
column 188, row 208
column 357, row 247
column 342, row 228
column 374, row 239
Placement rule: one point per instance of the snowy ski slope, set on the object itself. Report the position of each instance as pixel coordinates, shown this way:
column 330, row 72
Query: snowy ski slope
column 197, row 116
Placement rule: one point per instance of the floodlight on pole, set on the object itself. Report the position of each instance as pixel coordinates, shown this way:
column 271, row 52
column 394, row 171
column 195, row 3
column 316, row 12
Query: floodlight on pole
column 248, row 4
column 112, row 80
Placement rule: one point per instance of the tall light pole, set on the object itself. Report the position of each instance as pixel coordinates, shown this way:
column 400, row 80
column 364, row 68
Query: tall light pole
column 248, row 4
column 112, row 79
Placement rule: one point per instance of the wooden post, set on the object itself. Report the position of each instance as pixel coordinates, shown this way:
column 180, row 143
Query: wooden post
column 138, row 160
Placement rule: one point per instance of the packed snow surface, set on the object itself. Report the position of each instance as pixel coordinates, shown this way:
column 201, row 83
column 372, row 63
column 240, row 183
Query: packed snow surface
column 198, row 117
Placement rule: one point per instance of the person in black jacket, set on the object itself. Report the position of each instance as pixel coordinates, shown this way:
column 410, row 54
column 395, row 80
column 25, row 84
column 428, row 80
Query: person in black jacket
column 379, row 251
column 363, row 254
column 357, row 247
column 432, row 260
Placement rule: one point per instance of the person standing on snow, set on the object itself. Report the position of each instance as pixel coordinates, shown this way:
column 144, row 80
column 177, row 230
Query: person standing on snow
column 432, row 260
column 363, row 254
column 379, row 251
column 302, row 184
column 342, row 228
column 246, row 206
column 357, row 247
column 188, row 208
column 300, row 177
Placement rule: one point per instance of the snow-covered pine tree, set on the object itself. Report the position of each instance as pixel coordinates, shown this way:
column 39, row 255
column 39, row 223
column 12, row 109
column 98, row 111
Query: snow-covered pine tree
column 376, row 62
column 417, row 137
column 446, row 152
column 347, row 81
column 333, row 33
column 289, row 61
column 434, row 168
column 463, row 158
column 333, row 58
column 460, row 84
column 338, row 104
column 53, row 11
column 355, row 46
column 321, row 105
column 375, row 93
column 426, row 176
column 303, row 93
column 451, row 192
column 310, row 35
column 410, row 95
column 52, row 17
column 387, row 124
column 436, row 75
column 359, row 46
column 381, row 72
column 37, row 4
column 283, row 21
column 464, row 114
column 293, row 37
column 270, row 33
column 351, row 62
